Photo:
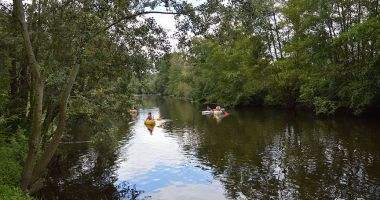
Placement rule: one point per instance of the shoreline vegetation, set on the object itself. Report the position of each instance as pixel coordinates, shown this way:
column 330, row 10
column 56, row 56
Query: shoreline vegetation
column 298, row 108
column 320, row 55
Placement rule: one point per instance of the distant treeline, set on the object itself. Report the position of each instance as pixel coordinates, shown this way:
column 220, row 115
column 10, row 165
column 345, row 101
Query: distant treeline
column 319, row 54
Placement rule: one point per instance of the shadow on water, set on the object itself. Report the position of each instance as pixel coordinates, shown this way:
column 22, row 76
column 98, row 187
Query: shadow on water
column 251, row 154
column 84, row 166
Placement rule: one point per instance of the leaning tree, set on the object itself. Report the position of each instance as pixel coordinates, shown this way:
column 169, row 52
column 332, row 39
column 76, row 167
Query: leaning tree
column 58, row 36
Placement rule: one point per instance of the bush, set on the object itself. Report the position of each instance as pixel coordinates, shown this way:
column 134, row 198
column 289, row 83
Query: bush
column 12, row 193
column 10, row 169
column 12, row 152
column 323, row 106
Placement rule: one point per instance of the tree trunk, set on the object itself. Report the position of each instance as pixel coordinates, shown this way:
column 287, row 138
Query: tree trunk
column 13, row 77
column 274, row 45
column 51, row 113
column 33, row 170
column 277, row 34
column 23, row 81
column 38, row 86
column 34, row 139
column 54, row 142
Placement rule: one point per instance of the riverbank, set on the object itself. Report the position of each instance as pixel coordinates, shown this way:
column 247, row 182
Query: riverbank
column 12, row 153
column 339, row 112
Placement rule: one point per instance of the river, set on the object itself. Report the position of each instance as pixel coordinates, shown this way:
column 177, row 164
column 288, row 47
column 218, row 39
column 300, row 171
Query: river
column 249, row 154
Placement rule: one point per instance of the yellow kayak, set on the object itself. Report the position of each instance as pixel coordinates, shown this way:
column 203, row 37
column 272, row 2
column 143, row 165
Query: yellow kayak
column 150, row 128
column 150, row 122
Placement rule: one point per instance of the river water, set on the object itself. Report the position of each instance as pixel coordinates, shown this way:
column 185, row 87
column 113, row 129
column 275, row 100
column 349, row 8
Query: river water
column 249, row 154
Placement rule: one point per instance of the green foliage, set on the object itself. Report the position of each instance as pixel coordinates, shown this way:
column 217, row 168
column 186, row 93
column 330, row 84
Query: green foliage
column 324, row 106
column 112, row 43
column 320, row 54
column 359, row 95
column 5, row 62
column 116, row 96
column 175, row 76
column 110, row 58
column 12, row 193
column 214, row 73
column 4, row 83
column 162, row 78
column 12, row 152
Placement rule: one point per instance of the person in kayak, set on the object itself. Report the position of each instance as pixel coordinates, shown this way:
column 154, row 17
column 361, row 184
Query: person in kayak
column 149, row 117
column 133, row 111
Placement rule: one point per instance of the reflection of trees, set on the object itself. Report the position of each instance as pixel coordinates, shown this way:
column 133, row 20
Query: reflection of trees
column 127, row 191
column 277, row 155
column 259, row 155
column 87, row 170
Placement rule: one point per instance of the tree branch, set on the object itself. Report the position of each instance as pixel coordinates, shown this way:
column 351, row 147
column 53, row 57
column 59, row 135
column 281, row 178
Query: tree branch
column 133, row 16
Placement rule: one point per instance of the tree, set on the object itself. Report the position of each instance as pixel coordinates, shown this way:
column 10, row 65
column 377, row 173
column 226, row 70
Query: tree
column 317, row 54
column 112, row 25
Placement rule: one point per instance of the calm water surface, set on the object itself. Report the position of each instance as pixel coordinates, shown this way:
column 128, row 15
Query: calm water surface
column 250, row 154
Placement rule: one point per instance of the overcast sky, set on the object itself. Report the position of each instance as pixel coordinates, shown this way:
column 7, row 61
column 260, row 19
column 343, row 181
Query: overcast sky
column 168, row 22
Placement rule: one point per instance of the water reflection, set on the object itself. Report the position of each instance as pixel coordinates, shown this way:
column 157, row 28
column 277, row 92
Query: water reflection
column 150, row 128
column 86, row 170
column 157, row 164
column 256, row 154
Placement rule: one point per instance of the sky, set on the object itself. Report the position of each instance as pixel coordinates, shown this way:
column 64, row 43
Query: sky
column 168, row 22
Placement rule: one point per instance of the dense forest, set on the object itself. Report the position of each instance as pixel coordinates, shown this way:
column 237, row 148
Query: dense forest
column 65, row 59
column 322, row 55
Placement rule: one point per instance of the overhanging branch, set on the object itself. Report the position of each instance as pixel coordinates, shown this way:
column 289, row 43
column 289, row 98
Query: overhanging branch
column 133, row 16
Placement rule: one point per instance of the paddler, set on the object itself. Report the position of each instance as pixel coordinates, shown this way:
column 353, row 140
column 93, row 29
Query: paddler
column 149, row 117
